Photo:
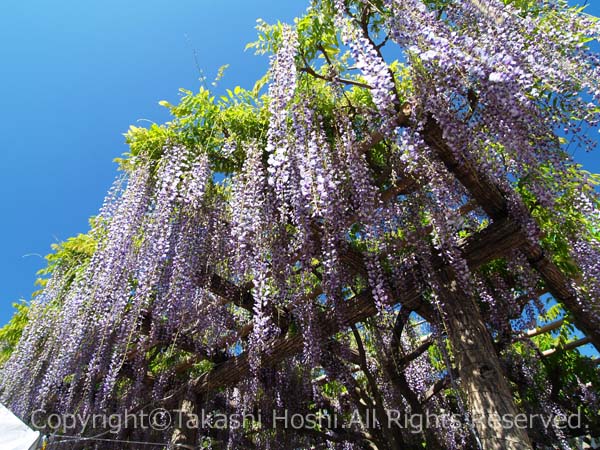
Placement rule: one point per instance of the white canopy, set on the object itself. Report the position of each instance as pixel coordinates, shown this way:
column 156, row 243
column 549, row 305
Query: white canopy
column 14, row 434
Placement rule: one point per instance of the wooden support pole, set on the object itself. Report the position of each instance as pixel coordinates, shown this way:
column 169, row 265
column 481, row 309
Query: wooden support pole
column 489, row 396
column 185, row 431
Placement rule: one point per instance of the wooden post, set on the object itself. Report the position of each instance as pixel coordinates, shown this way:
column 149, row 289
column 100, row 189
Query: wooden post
column 184, row 435
column 489, row 396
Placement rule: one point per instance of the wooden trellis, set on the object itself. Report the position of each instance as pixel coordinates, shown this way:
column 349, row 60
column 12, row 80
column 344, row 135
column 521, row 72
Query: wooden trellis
column 502, row 236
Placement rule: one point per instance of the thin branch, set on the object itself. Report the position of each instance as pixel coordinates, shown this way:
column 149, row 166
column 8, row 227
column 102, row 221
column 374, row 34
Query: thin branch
column 309, row 70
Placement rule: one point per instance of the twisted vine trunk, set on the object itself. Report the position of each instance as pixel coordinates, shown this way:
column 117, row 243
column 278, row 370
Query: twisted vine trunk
column 185, row 433
column 488, row 394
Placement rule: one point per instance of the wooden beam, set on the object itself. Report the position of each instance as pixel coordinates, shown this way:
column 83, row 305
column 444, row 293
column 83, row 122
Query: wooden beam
column 491, row 198
column 478, row 250
column 544, row 329
column 568, row 346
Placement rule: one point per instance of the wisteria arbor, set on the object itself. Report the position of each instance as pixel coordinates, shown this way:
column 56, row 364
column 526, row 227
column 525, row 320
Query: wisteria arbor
column 366, row 237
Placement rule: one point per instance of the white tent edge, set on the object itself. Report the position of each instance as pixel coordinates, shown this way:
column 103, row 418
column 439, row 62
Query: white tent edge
column 16, row 435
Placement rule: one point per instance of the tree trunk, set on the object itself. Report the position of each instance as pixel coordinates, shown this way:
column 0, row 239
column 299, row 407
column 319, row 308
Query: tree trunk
column 488, row 394
column 185, row 435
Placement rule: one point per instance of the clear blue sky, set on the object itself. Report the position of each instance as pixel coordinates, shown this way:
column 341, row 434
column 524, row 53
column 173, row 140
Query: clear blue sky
column 74, row 76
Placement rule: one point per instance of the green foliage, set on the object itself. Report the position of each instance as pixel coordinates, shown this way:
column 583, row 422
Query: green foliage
column 560, row 230
column 269, row 37
column 563, row 371
column 220, row 74
column 70, row 257
column 203, row 123
column 145, row 141
column 317, row 36
column 12, row 331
